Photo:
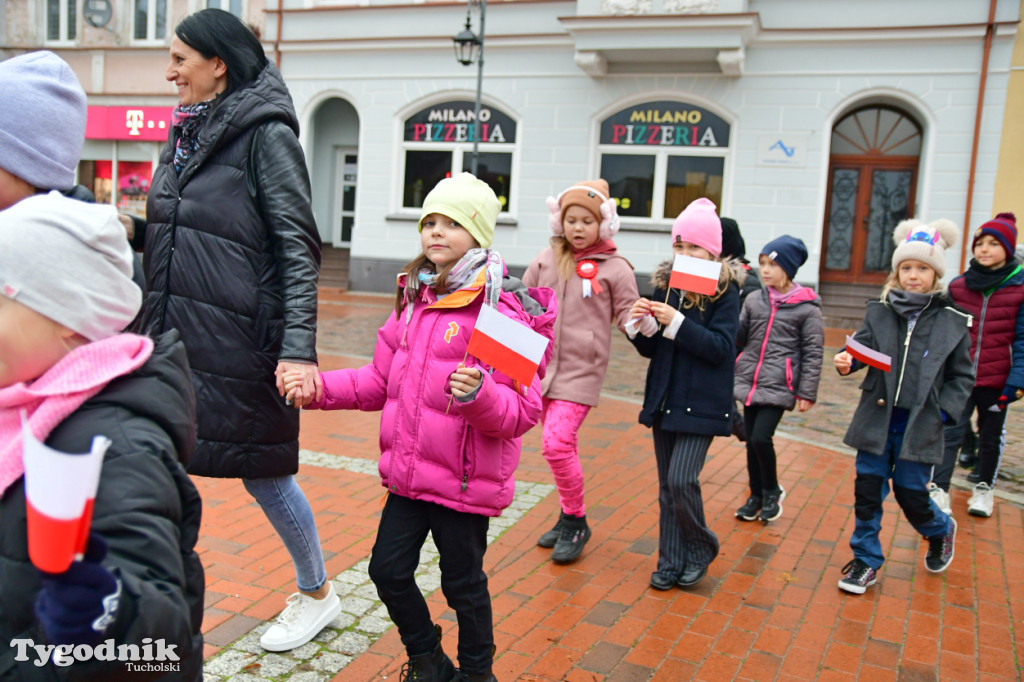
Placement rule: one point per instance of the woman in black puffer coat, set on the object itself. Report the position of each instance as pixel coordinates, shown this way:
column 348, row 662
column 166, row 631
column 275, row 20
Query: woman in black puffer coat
column 232, row 256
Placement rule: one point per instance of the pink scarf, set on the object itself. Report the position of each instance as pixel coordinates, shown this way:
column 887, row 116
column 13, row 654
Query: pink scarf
column 48, row 400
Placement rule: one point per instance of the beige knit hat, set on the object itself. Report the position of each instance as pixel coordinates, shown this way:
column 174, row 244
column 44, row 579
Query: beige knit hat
column 926, row 242
column 591, row 195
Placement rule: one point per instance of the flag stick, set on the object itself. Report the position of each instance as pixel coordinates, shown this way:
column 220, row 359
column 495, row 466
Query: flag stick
column 452, row 396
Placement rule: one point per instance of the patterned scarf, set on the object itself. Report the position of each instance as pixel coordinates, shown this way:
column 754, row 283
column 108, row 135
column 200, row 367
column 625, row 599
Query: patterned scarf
column 462, row 273
column 78, row 376
column 188, row 119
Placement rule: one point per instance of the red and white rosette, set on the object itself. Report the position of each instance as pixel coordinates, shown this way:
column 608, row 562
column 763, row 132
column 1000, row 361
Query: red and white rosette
column 587, row 270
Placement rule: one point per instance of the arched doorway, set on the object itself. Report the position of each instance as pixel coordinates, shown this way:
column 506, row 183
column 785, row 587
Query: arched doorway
column 334, row 179
column 873, row 167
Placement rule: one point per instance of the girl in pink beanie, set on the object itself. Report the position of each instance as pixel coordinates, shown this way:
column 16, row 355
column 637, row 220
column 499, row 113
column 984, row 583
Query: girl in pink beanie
column 691, row 341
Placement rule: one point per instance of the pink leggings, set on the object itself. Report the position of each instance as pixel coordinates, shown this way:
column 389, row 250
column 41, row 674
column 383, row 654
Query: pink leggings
column 561, row 420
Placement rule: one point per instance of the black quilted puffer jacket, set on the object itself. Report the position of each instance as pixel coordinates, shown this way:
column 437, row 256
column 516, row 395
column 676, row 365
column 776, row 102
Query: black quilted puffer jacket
column 232, row 256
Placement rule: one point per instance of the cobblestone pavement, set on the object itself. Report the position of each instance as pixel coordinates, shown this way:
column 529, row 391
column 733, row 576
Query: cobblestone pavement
column 768, row 610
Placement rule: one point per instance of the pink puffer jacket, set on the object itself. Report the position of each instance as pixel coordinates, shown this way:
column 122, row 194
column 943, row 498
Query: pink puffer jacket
column 462, row 457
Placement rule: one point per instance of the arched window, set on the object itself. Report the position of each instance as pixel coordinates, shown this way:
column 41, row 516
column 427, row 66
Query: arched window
column 659, row 156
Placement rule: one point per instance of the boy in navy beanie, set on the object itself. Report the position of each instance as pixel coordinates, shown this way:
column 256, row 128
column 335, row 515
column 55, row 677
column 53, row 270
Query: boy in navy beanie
column 42, row 125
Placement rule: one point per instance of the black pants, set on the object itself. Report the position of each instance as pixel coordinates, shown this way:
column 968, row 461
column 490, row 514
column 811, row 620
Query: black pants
column 990, row 437
column 684, row 537
column 461, row 540
column 761, row 422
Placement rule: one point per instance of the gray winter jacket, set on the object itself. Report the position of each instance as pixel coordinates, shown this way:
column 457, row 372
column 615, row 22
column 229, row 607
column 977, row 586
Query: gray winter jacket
column 940, row 347
column 782, row 349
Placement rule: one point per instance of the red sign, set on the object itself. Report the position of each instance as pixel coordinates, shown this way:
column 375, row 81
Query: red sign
column 128, row 123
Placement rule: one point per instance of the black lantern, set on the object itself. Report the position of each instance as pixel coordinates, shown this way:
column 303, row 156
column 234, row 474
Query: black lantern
column 467, row 45
column 469, row 48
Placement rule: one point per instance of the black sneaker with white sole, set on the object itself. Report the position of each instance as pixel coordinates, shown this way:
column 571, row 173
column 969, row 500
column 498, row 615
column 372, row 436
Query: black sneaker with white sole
column 859, row 577
column 772, row 508
column 748, row 512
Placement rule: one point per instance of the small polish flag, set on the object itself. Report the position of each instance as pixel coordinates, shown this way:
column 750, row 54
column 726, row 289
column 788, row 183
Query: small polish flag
column 867, row 355
column 695, row 274
column 506, row 345
column 60, row 490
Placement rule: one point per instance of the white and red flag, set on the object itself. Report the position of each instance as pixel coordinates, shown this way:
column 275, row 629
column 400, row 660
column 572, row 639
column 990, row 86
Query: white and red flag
column 695, row 274
column 60, row 490
column 506, row 345
column 868, row 356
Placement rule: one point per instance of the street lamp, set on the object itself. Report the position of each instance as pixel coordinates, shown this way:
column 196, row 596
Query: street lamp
column 469, row 48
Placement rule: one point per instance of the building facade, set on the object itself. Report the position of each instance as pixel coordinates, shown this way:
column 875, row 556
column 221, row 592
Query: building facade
column 830, row 121
column 118, row 50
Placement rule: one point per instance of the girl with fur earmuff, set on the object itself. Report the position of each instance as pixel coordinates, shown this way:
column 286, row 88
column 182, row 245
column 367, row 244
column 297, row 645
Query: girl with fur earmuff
column 595, row 288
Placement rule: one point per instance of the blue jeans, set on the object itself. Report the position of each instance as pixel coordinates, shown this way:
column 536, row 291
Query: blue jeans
column 909, row 485
column 288, row 511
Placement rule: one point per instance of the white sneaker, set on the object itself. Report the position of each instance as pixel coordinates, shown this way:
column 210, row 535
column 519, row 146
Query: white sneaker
column 940, row 497
column 302, row 619
column 981, row 501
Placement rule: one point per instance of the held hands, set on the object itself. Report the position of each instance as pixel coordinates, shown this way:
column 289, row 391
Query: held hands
column 464, row 380
column 77, row 606
column 843, row 362
column 299, row 383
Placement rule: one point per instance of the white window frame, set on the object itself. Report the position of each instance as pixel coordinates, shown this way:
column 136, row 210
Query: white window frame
column 63, row 23
column 151, row 23
column 458, row 150
column 661, row 156
column 244, row 11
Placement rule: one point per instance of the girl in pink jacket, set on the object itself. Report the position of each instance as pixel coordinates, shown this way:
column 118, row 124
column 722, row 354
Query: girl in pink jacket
column 595, row 288
column 450, row 428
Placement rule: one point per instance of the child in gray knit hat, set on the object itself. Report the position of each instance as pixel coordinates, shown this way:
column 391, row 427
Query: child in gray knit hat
column 67, row 376
column 42, row 125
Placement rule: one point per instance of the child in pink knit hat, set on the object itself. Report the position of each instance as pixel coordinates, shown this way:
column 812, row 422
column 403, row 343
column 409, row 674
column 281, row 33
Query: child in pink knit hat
column 691, row 341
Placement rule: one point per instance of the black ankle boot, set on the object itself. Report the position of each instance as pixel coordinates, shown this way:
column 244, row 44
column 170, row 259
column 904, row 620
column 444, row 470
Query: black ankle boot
column 478, row 677
column 432, row 667
column 574, row 534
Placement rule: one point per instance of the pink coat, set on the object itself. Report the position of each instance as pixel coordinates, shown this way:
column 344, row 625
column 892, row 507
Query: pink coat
column 462, row 457
column 583, row 331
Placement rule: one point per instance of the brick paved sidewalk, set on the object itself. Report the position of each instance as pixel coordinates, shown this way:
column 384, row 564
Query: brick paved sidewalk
column 769, row 609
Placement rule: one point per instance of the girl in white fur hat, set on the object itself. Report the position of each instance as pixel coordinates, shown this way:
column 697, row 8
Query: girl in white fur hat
column 897, row 428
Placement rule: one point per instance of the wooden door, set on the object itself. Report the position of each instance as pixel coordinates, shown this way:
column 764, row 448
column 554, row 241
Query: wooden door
column 867, row 197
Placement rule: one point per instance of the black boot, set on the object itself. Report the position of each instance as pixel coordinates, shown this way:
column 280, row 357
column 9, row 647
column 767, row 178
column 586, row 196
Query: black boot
column 432, row 667
column 478, row 677
column 549, row 539
column 575, row 533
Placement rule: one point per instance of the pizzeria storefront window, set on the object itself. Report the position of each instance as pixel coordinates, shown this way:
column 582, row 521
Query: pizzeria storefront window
column 438, row 142
column 659, row 156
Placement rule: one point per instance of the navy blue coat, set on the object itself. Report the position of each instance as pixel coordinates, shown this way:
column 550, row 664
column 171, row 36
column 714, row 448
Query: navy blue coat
column 690, row 378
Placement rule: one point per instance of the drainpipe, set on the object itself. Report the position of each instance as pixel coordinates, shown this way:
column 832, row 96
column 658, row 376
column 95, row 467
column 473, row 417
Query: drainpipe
column 281, row 13
column 990, row 30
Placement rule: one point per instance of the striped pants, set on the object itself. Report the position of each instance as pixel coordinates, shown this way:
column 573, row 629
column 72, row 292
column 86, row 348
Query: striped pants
column 684, row 537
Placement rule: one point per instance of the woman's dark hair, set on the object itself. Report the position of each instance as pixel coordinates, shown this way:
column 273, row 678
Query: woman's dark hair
column 216, row 33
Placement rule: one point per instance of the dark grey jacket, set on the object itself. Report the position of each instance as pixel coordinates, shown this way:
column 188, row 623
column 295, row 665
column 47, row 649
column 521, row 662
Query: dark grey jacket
column 147, row 510
column 937, row 353
column 232, row 259
column 782, row 349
